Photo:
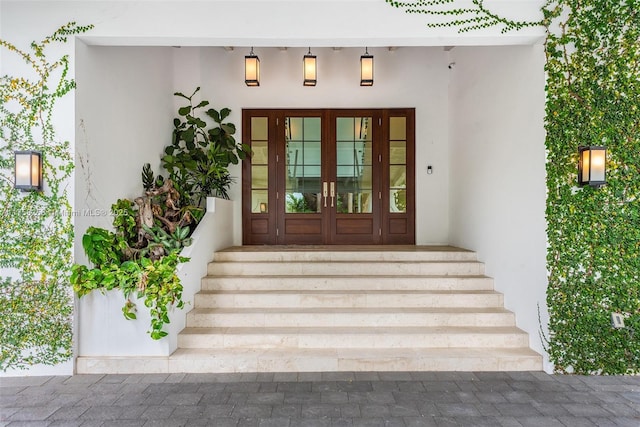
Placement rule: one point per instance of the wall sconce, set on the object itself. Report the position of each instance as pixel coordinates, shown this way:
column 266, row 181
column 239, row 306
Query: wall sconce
column 28, row 171
column 366, row 69
column 252, row 69
column 592, row 166
column 309, row 69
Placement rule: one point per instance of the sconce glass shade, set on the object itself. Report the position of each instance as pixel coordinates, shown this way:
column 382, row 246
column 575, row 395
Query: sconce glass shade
column 252, row 69
column 309, row 67
column 592, row 166
column 28, row 170
column 366, row 69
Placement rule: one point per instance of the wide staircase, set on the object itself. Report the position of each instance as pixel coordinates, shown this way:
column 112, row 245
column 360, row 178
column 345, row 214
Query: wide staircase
column 317, row 309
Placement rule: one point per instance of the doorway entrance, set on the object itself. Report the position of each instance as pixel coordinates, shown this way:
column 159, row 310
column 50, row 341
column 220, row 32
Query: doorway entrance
column 330, row 176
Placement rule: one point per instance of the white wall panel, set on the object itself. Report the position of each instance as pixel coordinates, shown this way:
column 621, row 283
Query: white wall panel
column 498, row 172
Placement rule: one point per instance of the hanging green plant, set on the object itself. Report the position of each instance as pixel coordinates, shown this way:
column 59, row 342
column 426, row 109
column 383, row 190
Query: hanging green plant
column 141, row 257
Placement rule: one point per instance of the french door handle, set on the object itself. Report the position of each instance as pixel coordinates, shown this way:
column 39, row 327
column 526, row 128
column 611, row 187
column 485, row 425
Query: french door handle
column 325, row 193
column 333, row 192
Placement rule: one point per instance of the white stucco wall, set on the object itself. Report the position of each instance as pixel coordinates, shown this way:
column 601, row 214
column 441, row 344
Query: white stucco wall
column 498, row 172
column 124, row 108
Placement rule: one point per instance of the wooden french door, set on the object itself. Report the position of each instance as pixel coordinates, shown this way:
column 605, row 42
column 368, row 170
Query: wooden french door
column 329, row 177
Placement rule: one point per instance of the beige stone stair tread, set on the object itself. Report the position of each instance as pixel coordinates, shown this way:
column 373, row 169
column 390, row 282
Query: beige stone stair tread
column 353, row 360
column 345, row 248
column 419, row 330
column 356, row 261
column 363, row 283
column 349, row 276
column 351, row 310
column 458, row 352
column 336, row 253
column 350, row 292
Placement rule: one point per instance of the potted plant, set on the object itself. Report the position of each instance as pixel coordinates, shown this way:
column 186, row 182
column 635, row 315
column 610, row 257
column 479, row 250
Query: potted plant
column 199, row 156
column 141, row 257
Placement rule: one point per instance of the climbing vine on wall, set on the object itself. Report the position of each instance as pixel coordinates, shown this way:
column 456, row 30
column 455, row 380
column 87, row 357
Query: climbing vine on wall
column 35, row 248
column 472, row 16
column 593, row 98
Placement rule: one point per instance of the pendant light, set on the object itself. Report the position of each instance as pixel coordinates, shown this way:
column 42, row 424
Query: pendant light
column 309, row 68
column 366, row 69
column 252, row 69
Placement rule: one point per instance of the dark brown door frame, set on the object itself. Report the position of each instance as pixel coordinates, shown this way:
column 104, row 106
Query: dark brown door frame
column 267, row 227
column 399, row 228
column 259, row 228
column 362, row 228
column 299, row 228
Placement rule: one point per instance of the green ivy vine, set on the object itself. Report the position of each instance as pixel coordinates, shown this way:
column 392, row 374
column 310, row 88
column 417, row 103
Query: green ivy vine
column 593, row 98
column 475, row 16
column 37, row 233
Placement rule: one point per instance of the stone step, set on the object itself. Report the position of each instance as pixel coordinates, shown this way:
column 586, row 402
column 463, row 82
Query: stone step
column 399, row 337
column 349, row 308
column 354, row 360
column 344, row 253
column 336, row 298
column 348, row 317
column 347, row 282
column 338, row 268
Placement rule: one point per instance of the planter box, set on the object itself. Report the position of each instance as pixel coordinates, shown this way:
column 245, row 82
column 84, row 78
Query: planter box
column 102, row 330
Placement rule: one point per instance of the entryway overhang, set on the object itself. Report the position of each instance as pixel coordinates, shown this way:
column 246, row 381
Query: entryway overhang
column 481, row 124
column 315, row 23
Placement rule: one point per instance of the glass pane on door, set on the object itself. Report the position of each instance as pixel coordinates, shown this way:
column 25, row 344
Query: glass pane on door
column 303, row 165
column 398, row 165
column 354, row 192
column 259, row 165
